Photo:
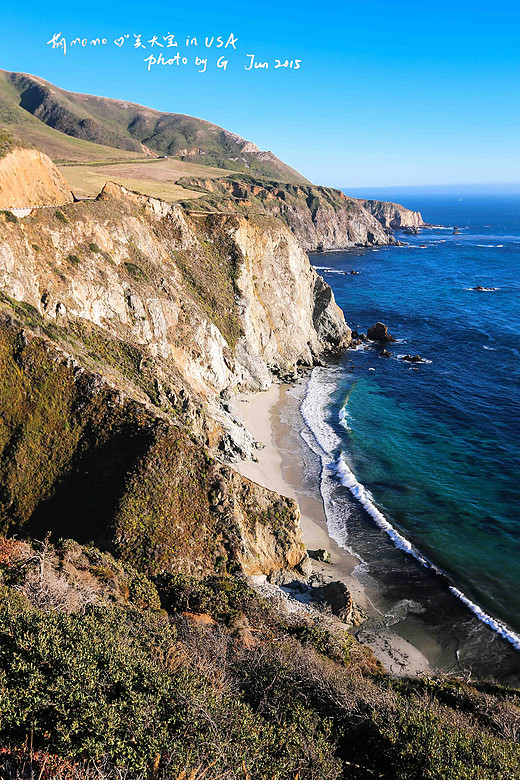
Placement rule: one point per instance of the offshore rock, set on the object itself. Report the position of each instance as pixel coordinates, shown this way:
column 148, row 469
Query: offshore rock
column 379, row 332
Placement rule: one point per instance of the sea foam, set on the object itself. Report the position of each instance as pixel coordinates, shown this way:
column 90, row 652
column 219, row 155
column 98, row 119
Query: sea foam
column 327, row 444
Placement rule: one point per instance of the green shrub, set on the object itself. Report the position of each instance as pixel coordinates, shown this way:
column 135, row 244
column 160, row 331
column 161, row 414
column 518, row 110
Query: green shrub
column 73, row 259
column 94, row 248
column 61, row 216
column 135, row 272
column 221, row 597
column 9, row 216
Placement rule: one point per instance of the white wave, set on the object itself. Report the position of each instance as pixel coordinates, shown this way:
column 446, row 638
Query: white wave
column 484, row 289
column 344, row 418
column 496, row 625
column 365, row 498
column 314, row 413
column 492, row 349
column 327, row 270
column 491, row 246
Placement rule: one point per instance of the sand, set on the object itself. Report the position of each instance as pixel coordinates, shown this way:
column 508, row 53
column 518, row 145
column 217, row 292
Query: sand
column 279, row 468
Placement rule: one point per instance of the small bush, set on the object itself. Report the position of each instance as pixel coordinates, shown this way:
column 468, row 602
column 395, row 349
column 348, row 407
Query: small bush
column 135, row 272
column 73, row 259
column 61, row 216
column 94, row 248
column 9, row 216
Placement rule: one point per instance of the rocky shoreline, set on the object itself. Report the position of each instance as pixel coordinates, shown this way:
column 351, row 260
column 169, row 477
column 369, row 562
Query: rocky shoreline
column 327, row 583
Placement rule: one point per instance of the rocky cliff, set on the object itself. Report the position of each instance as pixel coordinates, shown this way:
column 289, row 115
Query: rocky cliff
column 321, row 218
column 29, row 178
column 124, row 321
column 392, row 216
column 226, row 299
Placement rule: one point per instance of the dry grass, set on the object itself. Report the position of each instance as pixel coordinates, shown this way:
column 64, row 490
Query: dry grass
column 156, row 178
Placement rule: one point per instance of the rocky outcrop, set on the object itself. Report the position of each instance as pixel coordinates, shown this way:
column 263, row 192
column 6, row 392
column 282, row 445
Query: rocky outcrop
column 392, row 216
column 30, row 178
column 223, row 300
column 321, row 218
column 379, row 332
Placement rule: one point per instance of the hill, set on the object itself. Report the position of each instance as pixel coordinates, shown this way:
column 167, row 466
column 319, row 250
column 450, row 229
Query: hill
column 31, row 104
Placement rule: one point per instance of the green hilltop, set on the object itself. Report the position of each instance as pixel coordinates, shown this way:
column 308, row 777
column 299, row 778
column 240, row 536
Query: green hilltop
column 74, row 127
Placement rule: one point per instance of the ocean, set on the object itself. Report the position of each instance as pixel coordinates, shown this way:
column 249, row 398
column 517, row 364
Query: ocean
column 419, row 464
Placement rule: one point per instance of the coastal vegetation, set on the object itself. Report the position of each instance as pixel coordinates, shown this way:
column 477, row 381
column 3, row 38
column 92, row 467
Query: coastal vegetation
column 106, row 673
column 143, row 632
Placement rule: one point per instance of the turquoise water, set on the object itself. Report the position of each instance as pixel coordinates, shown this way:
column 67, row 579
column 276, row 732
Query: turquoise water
column 428, row 456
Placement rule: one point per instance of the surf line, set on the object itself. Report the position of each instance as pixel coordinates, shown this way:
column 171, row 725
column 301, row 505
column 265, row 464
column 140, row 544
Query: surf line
column 314, row 401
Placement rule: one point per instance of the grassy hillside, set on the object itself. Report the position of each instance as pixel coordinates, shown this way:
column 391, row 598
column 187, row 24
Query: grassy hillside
column 30, row 104
column 154, row 177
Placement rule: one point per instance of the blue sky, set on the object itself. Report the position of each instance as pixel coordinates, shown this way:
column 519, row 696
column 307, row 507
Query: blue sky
column 388, row 93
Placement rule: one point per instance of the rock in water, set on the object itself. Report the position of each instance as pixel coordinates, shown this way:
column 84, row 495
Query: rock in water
column 384, row 353
column 379, row 332
column 413, row 358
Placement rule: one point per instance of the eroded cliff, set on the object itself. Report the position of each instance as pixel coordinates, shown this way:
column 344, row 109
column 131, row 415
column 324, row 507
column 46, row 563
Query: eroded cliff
column 321, row 218
column 392, row 216
column 123, row 321
column 29, row 178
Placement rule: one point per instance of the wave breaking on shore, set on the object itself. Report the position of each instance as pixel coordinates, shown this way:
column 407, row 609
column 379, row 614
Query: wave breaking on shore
column 328, row 446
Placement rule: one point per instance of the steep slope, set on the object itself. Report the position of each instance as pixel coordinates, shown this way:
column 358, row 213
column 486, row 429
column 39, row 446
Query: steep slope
column 321, row 218
column 122, row 321
column 29, row 178
column 128, row 126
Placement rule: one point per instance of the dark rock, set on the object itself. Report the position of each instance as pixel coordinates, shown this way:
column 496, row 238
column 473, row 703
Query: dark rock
column 320, row 555
column 480, row 288
column 413, row 358
column 354, row 273
column 379, row 332
column 338, row 597
column 384, row 353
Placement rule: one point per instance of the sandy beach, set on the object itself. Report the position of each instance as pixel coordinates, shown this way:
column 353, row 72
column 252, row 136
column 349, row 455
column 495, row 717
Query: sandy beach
column 279, row 468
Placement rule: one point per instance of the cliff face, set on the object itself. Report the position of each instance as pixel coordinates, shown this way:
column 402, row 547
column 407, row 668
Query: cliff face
column 222, row 299
column 321, row 218
column 81, row 459
column 122, row 321
column 392, row 215
column 29, row 178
